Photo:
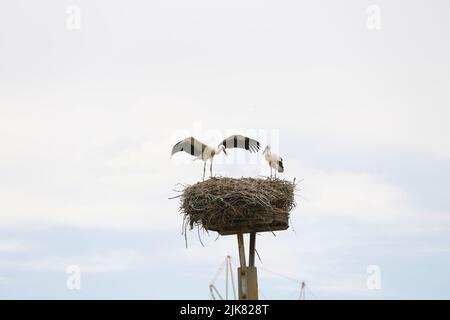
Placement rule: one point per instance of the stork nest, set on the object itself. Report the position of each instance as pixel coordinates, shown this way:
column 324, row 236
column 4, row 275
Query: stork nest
column 230, row 206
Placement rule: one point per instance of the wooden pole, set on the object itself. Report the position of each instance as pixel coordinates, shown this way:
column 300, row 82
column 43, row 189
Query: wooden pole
column 252, row 283
column 240, row 238
column 251, row 256
column 252, row 277
column 242, row 277
column 247, row 275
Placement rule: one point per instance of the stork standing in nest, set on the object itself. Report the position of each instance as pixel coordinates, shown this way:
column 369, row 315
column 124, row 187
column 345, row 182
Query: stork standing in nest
column 274, row 160
column 204, row 152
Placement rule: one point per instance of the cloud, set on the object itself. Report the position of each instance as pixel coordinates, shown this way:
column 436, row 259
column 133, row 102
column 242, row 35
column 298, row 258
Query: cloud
column 107, row 262
column 5, row 280
column 12, row 246
column 357, row 195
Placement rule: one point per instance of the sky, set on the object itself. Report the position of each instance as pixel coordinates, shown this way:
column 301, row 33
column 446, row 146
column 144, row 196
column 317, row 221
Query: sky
column 353, row 94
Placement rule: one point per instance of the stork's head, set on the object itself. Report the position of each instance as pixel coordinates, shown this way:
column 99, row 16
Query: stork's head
column 267, row 149
column 222, row 148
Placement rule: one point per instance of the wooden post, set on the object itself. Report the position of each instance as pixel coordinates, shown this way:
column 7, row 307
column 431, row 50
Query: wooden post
column 247, row 275
column 242, row 277
column 252, row 276
column 251, row 256
column 240, row 238
column 252, row 283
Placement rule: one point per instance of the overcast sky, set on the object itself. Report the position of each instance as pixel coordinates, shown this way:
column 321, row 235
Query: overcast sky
column 88, row 117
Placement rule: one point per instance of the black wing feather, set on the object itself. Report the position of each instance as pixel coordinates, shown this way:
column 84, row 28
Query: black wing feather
column 239, row 141
column 189, row 145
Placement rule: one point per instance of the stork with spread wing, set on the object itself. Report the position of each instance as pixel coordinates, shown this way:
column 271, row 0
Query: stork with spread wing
column 204, row 152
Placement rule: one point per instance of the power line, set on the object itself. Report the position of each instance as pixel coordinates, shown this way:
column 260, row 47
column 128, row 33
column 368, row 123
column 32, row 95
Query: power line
column 290, row 278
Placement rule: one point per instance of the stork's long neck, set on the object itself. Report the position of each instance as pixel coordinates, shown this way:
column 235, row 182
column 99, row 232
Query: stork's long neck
column 267, row 153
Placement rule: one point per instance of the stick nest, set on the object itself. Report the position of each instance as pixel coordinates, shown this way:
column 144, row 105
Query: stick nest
column 229, row 205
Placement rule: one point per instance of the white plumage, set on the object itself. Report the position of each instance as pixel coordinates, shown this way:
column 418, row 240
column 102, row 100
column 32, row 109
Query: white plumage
column 274, row 161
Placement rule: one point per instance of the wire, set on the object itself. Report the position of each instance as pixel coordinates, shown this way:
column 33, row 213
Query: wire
column 281, row 275
column 307, row 287
column 262, row 294
column 310, row 292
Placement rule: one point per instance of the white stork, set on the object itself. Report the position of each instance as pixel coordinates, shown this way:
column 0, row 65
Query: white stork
column 203, row 152
column 274, row 160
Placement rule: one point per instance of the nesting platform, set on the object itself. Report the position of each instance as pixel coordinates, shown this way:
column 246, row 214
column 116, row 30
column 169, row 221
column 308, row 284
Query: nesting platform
column 237, row 206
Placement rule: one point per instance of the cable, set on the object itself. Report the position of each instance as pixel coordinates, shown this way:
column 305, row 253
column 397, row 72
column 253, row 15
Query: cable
column 310, row 291
column 233, row 261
